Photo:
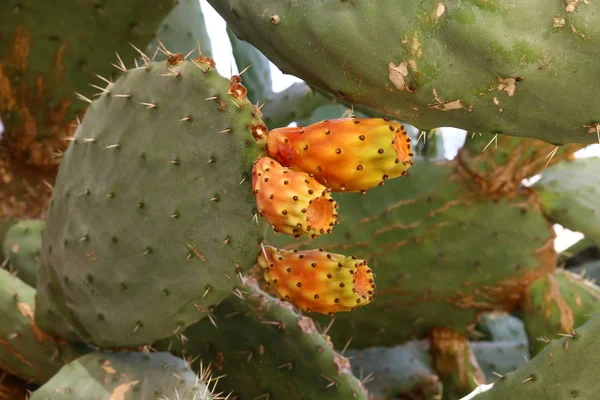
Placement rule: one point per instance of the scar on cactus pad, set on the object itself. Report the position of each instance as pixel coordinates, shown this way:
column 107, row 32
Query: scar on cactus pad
column 315, row 280
column 346, row 154
column 292, row 202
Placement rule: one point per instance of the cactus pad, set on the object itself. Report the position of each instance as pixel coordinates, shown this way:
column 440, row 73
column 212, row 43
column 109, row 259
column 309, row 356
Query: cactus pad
column 565, row 369
column 265, row 350
column 152, row 214
column 22, row 247
column 483, row 66
column 25, row 350
column 125, row 376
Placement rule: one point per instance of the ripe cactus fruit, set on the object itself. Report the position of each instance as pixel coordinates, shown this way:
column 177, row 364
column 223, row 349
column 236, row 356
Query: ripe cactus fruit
column 346, row 154
column 164, row 146
column 314, row 280
column 291, row 201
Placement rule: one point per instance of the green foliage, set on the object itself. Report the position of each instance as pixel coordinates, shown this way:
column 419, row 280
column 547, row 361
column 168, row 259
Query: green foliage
column 150, row 224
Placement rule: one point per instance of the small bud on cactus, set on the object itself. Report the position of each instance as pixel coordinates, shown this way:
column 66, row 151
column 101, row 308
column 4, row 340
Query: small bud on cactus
column 291, row 201
column 347, row 154
column 314, row 280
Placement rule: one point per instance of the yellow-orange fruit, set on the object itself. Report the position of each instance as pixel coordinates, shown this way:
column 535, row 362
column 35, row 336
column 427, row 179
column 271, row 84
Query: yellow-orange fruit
column 292, row 202
column 314, row 280
column 346, row 154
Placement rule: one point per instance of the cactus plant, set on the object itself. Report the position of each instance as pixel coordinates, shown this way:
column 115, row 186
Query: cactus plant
column 44, row 58
column 470, row 65
column 126, row 376
column 557, row 305
column 556, row 372
column 182, row 31
column 267, row 351
column 26, row 350
column 22, row 247
column 399, row 372
column 170, row 125
column 569, row 195
column 209, row 217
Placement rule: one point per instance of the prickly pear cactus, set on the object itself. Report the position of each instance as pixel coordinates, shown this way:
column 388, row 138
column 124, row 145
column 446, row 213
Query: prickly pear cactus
column 397, row 372
column 569, row 193
column 151, row 222
column 22, row 249
column 26, row 350
column 564, row 369
column 481, row 66
column 265, row 350
column 125, row 376
column 428, row 238
column 48, row 54
column 182, row 31
column 556, row 305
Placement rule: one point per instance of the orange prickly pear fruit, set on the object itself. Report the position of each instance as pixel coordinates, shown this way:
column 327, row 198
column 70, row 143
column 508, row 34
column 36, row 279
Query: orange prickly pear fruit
column 291, row 201
column 314, row 280
column 346, row 154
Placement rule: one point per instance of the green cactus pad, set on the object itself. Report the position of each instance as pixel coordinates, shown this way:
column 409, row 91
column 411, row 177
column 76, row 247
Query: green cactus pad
column 151, row 220
column 267, row 351
column 570, row 197
column 565, row 369
column 183, row 30
column 556, row 305
column 124, row 376
column 397, row 372
column 25, row 350
column 438, row 249
column 22, row 246
column 482, row 66
column 48, row 53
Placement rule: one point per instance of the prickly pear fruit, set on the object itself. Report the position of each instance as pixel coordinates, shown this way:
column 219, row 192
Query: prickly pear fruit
column 346, row 154
column 292, row 201
column 314, row 280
